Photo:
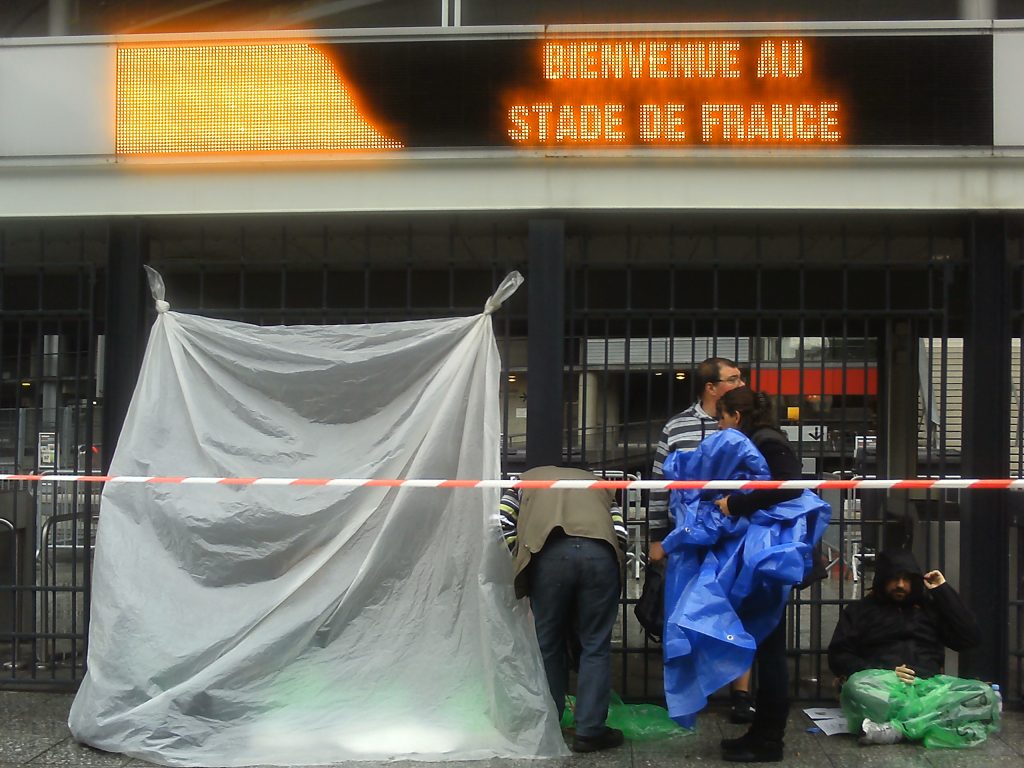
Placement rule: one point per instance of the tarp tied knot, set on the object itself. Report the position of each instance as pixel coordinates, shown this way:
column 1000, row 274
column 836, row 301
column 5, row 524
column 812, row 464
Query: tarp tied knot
column 156, row 287
column 507, row 287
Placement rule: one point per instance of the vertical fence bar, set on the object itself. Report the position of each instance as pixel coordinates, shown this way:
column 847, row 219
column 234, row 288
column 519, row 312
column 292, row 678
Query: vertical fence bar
column 690, row 315
column 986, row 444
column 545, row 356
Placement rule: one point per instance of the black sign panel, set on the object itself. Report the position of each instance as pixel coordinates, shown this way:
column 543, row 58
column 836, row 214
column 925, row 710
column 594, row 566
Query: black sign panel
column 675, row 91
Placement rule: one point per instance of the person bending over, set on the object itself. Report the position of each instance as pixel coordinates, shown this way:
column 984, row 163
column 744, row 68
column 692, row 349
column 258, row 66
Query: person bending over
column 569, row 549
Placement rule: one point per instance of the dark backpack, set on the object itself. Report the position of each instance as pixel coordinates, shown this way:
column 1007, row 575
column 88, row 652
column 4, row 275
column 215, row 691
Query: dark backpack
column 650, row 607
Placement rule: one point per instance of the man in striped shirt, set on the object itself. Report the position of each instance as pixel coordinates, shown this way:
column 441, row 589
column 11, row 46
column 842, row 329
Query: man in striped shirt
column 569, row 548
column 684, row 432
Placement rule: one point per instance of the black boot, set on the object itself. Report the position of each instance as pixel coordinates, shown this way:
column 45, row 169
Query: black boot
column 611, row 737
column 763, row 742
column 739, row 742
column 755, row 746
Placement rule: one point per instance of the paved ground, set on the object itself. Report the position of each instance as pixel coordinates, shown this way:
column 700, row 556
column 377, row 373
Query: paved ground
column 33, row 731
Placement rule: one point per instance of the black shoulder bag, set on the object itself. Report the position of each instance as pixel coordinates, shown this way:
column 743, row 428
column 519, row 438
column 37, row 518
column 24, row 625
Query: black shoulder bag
column 650, row 608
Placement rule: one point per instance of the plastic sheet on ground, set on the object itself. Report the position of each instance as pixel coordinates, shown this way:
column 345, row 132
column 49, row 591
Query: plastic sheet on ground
column 940, row 711
column 638, row 722
column 307, row 625
column 728, row 578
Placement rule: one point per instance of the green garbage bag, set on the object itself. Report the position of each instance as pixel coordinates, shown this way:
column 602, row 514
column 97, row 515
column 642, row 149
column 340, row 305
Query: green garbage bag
column 941, row 711
column 638, row 722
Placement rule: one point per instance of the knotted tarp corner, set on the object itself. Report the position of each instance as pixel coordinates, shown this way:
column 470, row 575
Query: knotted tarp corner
column 505, row 289
column 157, row 289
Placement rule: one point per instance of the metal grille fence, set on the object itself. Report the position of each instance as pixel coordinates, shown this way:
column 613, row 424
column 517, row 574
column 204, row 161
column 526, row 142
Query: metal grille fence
column 50, row 343
column 855, row 326
column 849, row 325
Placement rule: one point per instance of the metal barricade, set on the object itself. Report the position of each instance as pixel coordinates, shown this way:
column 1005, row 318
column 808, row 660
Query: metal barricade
column 17, row 579
column 66, row 537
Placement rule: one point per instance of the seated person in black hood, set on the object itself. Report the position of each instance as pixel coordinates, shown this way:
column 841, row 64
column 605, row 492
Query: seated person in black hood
column 903, row 625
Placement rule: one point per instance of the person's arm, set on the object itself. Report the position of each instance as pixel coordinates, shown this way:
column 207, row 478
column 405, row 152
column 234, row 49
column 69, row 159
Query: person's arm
column 619, row 524
column 783, row 465
column 844, row 650
column 657, row 501
column 508, row 512
column 958, row 629
column 683, row 432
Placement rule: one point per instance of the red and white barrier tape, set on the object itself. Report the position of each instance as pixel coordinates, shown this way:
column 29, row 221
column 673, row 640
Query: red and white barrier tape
column 718, row 485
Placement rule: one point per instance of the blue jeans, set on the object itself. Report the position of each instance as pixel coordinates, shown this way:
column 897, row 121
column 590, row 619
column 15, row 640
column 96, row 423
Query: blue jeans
column 574, row 588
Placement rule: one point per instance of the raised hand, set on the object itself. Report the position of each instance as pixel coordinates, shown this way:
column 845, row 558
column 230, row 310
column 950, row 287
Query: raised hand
column 905, row 673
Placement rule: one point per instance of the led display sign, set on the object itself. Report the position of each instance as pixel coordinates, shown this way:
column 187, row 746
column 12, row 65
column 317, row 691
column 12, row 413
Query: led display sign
column 561, row 92
column 236, row 98
column 671, row 92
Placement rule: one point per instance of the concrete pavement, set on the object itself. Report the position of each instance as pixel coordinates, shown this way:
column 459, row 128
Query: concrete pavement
column 33, row 732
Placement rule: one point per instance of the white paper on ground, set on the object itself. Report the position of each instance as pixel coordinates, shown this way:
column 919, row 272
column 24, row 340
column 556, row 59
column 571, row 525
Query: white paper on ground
column 823, row 713
column 829, row 719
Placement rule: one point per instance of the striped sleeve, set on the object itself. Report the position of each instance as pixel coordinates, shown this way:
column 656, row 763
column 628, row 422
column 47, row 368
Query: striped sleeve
column 683, row 432
column 508, row 511
column 619, row 524
column 657, row 505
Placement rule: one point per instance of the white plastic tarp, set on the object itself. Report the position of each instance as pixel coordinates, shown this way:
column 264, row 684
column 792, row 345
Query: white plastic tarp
column 290, row 624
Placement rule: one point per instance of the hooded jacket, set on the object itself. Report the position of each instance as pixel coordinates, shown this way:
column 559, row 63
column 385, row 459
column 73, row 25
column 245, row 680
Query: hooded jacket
column 877, row 632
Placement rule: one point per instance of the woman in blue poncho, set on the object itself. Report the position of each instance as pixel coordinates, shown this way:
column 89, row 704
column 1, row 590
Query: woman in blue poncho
column 752, row 414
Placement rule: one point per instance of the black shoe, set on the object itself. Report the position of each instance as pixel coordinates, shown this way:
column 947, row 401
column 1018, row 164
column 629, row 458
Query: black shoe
column 742, row 710
column 755, row 750
column 612, row 737
column 740, row 742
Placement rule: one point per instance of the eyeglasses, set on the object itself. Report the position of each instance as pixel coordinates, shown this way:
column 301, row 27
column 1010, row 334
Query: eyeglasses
column 734, row 379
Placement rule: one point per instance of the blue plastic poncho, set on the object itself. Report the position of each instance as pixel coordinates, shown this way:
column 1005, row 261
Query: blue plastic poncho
column 728, row 578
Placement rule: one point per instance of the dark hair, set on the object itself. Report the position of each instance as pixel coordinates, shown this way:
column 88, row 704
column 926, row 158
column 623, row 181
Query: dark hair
column 710, row 371
column 755, row 409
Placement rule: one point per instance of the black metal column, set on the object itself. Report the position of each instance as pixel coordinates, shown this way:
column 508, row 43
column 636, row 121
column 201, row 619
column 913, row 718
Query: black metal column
column 986, row 446
column 546, row 342
column 126, row 331
column 900, row 408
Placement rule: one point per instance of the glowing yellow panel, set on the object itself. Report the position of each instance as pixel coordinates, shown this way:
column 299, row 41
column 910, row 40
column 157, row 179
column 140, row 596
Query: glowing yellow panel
column 237, row 98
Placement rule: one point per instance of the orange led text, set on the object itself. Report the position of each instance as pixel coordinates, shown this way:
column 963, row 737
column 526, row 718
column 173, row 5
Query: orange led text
column 675, row 92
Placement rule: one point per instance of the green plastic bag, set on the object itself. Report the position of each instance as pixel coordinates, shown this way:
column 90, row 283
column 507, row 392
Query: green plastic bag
column 941, row 711
column 638, row 722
